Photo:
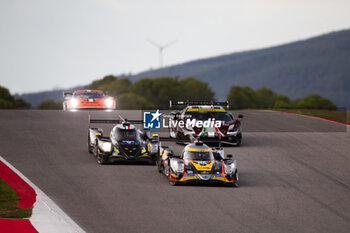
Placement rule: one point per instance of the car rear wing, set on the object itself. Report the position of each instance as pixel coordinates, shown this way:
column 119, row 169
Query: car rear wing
column 109, row 121
column 195, row 139
column 217, row 103
column 67, row 95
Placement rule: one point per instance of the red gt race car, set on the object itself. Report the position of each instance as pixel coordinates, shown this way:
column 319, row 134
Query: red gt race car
column 87, row 99
column 228, row 132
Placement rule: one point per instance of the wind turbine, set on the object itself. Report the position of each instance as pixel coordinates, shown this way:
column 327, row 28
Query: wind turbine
column 161, row 48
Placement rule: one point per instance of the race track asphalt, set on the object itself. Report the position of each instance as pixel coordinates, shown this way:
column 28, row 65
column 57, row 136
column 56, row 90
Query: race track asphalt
column 294, row 176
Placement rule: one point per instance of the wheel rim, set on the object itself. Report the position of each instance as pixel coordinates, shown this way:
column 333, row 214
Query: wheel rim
column 95, row 151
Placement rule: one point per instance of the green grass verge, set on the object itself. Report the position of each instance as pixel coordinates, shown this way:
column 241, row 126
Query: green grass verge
column 342, row 116
column 8, row 203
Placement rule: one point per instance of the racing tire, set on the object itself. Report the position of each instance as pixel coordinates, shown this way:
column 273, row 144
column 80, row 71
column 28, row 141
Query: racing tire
column 88, row 145
column 236, row 178
column 171, row 182
column 236, row 185
column 239, row 140
column 159, row 164
column 101, row 159
column 152, row 162
column 159, row 167
column 95, row 150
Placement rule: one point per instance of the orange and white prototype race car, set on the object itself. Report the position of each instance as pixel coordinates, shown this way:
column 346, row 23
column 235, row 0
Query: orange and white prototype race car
column 87, row 99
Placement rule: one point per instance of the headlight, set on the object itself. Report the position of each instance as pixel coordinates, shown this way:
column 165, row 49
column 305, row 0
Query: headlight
column 105, row 146
column 229, row 168
column 177, row 166
column 109, row 102
column 153, row 148
column 73, row 103
column 232, row 128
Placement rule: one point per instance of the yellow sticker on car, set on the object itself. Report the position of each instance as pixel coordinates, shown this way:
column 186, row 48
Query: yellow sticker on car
column 202, row 165
column 206, row 110
column 198, row 149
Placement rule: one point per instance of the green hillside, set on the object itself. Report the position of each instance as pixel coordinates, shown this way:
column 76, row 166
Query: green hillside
column 320, row 65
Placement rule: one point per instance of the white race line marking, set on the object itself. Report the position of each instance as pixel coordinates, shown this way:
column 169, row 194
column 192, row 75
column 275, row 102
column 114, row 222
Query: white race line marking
column 47, row 217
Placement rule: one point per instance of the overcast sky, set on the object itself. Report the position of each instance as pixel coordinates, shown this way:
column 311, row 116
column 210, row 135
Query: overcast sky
column 46, row 44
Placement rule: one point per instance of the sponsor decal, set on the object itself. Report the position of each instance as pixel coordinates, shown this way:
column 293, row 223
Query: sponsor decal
column 202, row 165
column 128, row 142
column 202, row 162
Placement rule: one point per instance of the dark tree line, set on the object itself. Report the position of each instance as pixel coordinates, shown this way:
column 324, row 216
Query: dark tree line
column 156, row 93
column 243, row 97
column 151, row 93
column 7, row 101
column 50, row 104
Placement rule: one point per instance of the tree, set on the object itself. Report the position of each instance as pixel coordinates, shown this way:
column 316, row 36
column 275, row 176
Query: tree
column 21, row 104
column 119, row 87
column 165, row 89
column 50, row 104
column 5, row 95
column 102, row 83
column 241, row 97
column 7, row 101
column 4, row 104
column 144, row 87
column 245, row 97
column 281, row 101
column 160, row 90
column 264, row 98
column 195, row 90
column 314, row 101
column 132, row 101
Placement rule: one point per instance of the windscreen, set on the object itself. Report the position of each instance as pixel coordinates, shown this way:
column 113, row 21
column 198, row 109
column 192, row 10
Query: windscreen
column 203, row 116
column 124, row 134
column 87, row 95
column 191, row 155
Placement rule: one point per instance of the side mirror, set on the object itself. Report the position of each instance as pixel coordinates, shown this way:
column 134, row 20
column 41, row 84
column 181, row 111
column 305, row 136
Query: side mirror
column 155, row 137
column 175, row 115
column 147, row 135
column 140, row 132
column 229, row 156
column 218, row 156
column 231, row 115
